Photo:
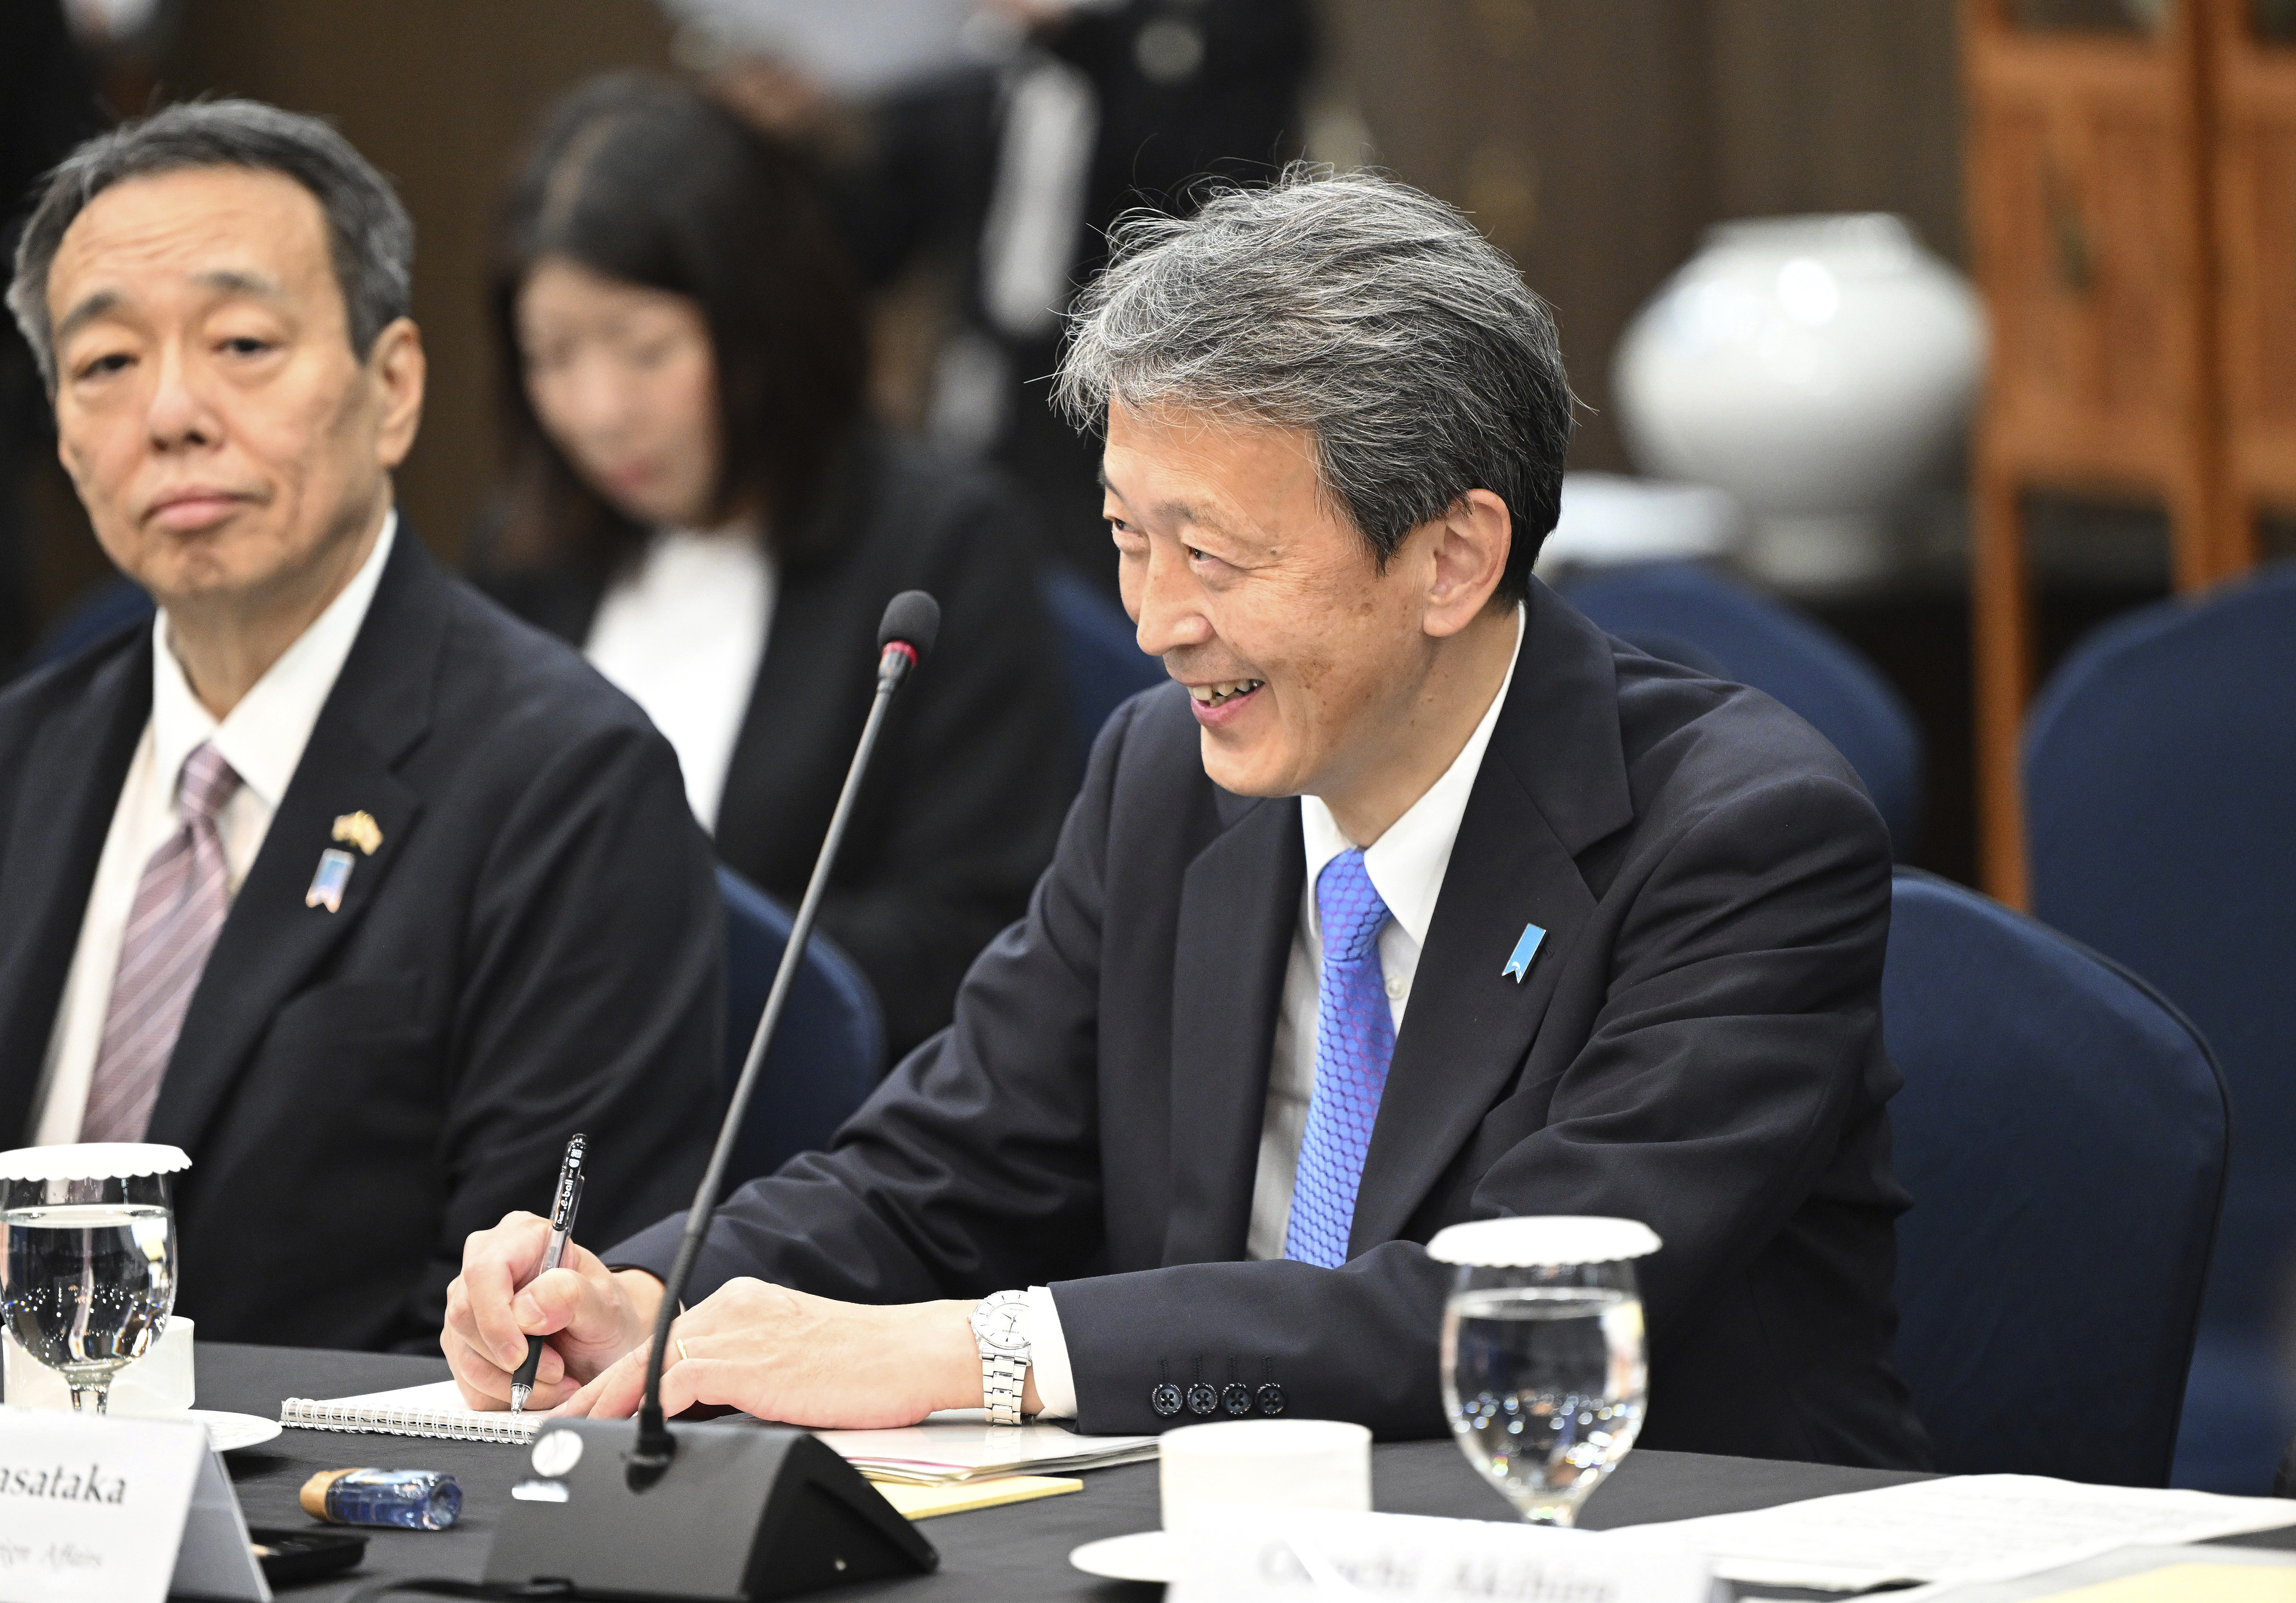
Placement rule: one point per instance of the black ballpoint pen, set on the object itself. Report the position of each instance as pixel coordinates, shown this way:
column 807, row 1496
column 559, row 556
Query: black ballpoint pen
column 562, row 1209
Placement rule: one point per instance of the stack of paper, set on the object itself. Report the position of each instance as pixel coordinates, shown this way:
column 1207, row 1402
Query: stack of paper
column 952, row 1448
column 928, row 1503
column 1967, row 1527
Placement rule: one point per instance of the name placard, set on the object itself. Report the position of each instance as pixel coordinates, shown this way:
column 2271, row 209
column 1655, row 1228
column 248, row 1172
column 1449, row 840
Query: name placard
column 1270, row 1555
column 101, row 1508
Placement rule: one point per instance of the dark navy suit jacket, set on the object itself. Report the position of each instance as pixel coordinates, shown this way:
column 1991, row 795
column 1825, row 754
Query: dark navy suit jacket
column 532, row 949
column 1697, row 1044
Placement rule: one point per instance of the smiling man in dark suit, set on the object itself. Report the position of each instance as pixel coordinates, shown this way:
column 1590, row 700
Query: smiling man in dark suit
column 334, row 875
column 1417, row 900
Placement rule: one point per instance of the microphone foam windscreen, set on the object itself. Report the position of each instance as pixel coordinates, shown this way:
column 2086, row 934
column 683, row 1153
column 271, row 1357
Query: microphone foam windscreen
column 912, row 618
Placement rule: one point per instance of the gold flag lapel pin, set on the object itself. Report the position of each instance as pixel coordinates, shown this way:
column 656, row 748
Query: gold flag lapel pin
column 360, row 829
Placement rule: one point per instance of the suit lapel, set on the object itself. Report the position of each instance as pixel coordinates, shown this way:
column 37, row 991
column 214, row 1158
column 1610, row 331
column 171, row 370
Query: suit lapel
column 1552, row 782
column 67, row 793
column 272, row 943
column 1239, row 906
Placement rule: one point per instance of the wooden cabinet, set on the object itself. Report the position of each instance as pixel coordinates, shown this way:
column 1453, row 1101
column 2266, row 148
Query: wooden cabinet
column 2133, row 229
column 2253, row 173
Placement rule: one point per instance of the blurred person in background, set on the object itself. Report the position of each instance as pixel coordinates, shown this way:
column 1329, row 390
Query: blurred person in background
column 47, row 105
column 697, row 498
column 992, row 142
column 1170, row 93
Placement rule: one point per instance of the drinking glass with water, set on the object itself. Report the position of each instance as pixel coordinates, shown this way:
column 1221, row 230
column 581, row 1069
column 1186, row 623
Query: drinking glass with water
column 87, row 1257
column 1544, row 1375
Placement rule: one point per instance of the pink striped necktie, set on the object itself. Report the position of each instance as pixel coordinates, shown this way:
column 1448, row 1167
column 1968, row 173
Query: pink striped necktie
column 179, row 911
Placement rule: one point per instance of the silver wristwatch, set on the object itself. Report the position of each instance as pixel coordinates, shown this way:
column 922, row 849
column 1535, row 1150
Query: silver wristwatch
column 1000, row 1327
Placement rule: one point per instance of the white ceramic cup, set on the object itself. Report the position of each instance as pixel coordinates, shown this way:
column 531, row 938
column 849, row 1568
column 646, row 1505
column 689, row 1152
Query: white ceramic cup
column 159, row 1383
column 1293, row 1463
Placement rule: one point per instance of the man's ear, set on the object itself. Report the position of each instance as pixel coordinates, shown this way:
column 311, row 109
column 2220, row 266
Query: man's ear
column 1467, row 549
column 398, row 368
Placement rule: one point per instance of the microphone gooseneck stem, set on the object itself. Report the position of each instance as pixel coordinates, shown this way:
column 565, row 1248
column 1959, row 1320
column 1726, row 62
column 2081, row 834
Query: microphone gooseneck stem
column 655, row 1446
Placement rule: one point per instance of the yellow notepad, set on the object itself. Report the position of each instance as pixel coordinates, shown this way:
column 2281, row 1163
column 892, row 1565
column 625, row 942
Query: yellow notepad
column 922, row 1502
column 2174, row 1582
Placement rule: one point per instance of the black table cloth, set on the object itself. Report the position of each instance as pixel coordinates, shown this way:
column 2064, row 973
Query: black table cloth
column 1020, row 1552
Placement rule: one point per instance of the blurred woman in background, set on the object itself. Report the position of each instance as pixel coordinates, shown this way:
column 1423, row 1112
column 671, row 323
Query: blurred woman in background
column 697, row 499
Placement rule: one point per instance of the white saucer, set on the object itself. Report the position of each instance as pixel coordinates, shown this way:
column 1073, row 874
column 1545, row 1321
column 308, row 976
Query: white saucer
column 232, row 1432
column 1143, row 1556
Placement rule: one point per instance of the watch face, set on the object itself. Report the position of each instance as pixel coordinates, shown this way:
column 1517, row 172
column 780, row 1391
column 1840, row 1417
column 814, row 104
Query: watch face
column 1002, row 1325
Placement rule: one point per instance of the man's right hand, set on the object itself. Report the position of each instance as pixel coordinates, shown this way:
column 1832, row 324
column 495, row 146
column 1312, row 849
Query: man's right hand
column 591, row 1314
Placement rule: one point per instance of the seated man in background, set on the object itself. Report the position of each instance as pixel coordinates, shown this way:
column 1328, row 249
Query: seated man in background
column 1417, row 899
column 334, row 875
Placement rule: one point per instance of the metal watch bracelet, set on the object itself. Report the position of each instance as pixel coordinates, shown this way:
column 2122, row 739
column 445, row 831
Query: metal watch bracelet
column 1003, row 1383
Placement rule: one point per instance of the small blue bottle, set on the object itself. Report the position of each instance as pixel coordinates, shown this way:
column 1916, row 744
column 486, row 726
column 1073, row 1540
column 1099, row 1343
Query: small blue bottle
column 414, row 1500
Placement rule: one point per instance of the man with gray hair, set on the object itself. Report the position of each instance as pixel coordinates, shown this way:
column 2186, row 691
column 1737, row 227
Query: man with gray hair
column 332, row 876
column 1416, row 900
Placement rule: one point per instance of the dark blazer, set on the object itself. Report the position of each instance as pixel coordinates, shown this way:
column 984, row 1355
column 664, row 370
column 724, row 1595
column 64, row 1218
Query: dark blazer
column 534, row 948
column 962, row 802
column 1698, row 1045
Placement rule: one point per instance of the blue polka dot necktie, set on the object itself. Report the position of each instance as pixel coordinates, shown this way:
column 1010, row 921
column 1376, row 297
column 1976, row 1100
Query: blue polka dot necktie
column 1355, row 1037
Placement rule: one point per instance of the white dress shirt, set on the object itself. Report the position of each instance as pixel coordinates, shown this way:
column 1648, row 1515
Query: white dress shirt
column 1406, row 866
column 263, row 739
column 681, row 634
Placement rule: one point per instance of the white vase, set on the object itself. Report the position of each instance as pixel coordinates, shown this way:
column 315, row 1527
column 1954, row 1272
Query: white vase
column 1815, row 368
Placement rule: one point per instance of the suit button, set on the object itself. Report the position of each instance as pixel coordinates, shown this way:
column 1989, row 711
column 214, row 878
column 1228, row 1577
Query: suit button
column 1271, row 1399
column 1165, row 1399
column 1235, row 1399
column 1203, row 1399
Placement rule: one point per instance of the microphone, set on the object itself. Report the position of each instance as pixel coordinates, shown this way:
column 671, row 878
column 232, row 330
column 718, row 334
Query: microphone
column 912, row 620
column 752, row 1501
column 911, row 625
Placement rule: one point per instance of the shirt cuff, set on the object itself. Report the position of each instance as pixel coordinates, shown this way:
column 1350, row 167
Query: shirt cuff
column 1048, row 1356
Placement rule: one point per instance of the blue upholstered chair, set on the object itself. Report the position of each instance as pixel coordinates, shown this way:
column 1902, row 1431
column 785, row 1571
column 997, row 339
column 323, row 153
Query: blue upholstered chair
column 2160, row 787
column 2063, row 1131
column 105, row 608
column 830, row 1048
column 1099, row 654
column 1686, row 612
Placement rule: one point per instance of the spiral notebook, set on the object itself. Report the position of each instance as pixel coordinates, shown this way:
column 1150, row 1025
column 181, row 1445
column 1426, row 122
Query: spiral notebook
column 948, row 1449
column 435, row 1411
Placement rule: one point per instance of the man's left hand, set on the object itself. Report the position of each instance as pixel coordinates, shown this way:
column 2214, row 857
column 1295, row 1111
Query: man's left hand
column 799, row 1360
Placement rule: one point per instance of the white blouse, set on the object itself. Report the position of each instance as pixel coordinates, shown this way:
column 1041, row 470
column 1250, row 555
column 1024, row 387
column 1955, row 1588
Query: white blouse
column 681, row 633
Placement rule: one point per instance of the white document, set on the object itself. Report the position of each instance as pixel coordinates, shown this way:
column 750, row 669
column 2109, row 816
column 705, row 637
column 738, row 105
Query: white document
column 1957, row 1528
column 1239, row 1554
column 101, row 1509
column 960, row 1444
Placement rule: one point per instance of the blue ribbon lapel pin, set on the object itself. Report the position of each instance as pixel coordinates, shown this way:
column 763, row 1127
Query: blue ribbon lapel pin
column 327, row 884
column 1518, row 963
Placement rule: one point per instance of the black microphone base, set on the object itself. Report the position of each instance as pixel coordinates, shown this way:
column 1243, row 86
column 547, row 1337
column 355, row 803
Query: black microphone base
column 744, row 1512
